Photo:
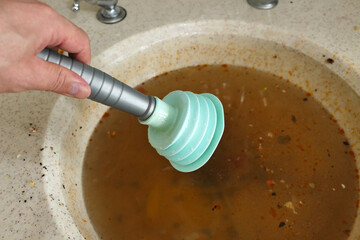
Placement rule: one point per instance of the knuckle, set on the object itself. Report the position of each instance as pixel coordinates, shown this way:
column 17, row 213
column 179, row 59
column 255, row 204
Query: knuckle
column 59, row 81
column 46, row 10
column 87, row 38
column 84, row 37
column 45, row 7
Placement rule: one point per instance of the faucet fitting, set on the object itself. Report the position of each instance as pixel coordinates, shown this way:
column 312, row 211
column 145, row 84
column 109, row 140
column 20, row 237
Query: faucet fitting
column 108, row 13
column 263, row 4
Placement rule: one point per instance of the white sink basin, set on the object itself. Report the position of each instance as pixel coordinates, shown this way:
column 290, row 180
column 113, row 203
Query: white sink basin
column 171, row 47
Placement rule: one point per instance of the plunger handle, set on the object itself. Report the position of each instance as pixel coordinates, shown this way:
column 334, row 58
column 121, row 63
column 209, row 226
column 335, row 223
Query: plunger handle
column 104, row 88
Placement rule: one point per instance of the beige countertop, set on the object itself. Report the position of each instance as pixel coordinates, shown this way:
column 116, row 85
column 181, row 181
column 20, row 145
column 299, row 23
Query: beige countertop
column 28, row 210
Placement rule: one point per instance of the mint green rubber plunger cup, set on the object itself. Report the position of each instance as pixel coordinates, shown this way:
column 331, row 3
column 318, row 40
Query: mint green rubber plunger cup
column 184, row 127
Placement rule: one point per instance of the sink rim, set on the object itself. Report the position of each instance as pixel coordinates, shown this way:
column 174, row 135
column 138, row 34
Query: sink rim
column 109, row 59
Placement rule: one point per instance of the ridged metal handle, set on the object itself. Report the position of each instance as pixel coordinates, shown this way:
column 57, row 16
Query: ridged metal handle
column 104, row 88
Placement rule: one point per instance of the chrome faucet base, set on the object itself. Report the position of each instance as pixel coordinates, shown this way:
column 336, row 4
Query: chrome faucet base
column 108, row 13
column 263, row 4
column 111, row 16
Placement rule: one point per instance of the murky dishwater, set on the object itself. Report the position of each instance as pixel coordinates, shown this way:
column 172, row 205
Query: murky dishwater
column 283, row 170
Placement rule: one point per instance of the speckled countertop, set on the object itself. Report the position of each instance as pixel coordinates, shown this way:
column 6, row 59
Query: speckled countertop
column 25, row 210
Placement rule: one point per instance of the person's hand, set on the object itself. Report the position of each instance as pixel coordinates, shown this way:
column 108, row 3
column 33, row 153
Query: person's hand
column 26, row 28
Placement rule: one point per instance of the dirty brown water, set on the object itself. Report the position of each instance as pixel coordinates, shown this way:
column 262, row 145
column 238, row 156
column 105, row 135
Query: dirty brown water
column 283, row 169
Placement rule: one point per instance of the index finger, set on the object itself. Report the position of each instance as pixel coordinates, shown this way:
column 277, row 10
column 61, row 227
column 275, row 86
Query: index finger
column 70, row 38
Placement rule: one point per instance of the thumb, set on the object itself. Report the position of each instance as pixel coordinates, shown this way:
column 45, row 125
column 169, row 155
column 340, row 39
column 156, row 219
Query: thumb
column 58, row 79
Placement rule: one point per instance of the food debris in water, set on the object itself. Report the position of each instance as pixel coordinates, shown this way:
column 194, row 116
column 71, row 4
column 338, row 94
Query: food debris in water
column 265, row 102
column 281, row 224
column 290, row 205
column 270, row 182
column 111, row 133
column 216, row 207
column 283, row 139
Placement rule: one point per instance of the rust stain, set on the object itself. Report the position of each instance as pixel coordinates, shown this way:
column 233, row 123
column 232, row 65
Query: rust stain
column 105, row 115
